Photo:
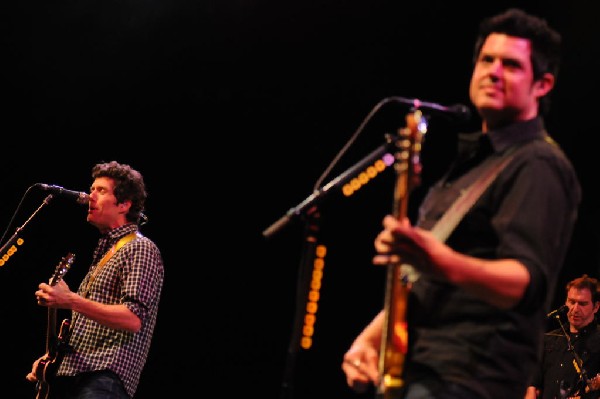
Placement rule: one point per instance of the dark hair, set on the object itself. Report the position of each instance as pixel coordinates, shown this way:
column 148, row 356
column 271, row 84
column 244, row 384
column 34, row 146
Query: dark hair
column 545, row 42
column 588, row 283
column 129, row 185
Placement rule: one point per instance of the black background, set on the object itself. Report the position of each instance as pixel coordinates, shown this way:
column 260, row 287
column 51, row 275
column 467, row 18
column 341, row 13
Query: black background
column 233, row 110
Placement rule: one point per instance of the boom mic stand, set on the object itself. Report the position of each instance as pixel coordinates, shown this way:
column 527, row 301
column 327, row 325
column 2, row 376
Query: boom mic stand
column 309, row 211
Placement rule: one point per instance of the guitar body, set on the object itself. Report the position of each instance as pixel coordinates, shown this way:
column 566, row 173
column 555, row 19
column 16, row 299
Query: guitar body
column 47, row 367
column 45, row 370
column 55, row 343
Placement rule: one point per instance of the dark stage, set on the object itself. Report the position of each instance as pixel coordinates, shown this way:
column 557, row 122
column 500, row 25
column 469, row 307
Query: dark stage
column 233, row 110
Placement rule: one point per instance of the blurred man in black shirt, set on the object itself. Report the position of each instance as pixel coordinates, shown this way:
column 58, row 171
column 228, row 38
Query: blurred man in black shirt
column 571, row 362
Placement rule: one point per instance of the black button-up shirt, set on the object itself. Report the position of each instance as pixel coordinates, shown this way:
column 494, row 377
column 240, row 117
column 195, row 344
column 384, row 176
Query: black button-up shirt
column 528, row 214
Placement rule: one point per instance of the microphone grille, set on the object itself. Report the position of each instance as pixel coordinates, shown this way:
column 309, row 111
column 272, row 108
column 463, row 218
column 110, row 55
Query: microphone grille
column 461, row 111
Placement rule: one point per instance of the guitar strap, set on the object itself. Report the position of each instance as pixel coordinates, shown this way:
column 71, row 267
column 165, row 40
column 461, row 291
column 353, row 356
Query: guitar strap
column 465, row 201
column 468, row 197
column 124, row 240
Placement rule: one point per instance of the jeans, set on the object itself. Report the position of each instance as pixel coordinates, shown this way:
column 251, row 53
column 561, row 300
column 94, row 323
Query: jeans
column 102, row 384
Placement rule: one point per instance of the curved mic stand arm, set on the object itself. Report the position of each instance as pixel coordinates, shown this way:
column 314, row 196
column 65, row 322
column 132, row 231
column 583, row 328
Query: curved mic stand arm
column 8, row 248
column 578, row 361
column 318, row 195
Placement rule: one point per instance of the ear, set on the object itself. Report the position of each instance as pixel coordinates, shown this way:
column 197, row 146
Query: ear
column 543, row 85
column 124, row 206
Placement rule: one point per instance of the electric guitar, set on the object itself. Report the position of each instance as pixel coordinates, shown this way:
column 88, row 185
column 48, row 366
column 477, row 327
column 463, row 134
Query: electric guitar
column 394, row 343
column 46, row 368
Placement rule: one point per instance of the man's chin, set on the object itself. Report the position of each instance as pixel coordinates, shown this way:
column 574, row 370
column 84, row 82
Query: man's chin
column 490, row 105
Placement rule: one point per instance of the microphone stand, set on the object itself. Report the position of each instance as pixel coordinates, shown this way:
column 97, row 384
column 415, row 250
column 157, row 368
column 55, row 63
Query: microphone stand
column 578, row 361
column 308, row 210
column 8, row 249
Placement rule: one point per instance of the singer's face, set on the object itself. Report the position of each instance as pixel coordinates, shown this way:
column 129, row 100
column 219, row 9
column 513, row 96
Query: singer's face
column 582, row 308
column 502, row 86
column 104, row 212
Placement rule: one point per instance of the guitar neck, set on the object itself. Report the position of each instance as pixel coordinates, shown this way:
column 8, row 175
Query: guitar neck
column 51, row 334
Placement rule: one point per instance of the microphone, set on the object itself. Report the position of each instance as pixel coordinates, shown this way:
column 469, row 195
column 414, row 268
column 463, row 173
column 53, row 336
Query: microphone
column 81, row 197
column 458, row 111
column 558, row 312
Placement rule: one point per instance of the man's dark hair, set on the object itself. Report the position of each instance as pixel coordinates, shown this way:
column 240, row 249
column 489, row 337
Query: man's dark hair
column 129, row 185
column 545, row 42
column 588, row 283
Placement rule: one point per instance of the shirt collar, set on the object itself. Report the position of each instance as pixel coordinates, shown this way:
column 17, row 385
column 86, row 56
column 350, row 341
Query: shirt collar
column 588, row 329
column 121, row 231
column 516, row 133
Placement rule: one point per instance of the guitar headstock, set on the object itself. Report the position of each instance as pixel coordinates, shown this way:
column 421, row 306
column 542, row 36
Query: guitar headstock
column 416, row 127
column 62, row 268
column 408, row 159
